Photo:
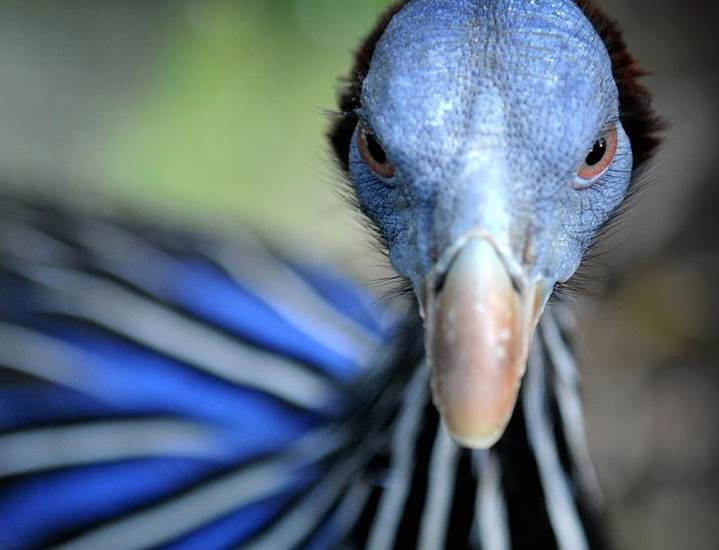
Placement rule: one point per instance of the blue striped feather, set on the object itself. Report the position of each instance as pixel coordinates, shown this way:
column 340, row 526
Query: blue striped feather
column 158, row 391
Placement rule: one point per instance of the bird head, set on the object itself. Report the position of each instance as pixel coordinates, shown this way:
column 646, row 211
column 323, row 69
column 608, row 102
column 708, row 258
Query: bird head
column 488, row 141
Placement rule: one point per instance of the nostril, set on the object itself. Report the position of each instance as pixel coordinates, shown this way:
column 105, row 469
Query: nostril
column 441, row 277
column 439, row 282
column 516, row 285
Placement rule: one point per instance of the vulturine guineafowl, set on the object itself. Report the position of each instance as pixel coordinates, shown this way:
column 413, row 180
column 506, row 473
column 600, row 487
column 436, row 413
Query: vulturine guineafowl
column 169, row 390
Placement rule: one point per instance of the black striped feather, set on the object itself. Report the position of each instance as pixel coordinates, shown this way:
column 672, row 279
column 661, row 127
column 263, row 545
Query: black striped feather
column 160, row 389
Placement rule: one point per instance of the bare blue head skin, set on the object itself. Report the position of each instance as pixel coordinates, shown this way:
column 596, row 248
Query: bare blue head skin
column 487, row 109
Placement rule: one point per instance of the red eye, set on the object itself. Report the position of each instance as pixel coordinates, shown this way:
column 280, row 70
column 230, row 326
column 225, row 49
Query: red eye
column 373, row 154
column 600, row 157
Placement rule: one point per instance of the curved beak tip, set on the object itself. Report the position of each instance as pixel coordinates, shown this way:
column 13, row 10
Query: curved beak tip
column 476, row 442
column 478, row 328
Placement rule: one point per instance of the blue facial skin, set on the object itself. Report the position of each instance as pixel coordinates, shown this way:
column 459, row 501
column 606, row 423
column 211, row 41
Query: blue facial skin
column 487, row 109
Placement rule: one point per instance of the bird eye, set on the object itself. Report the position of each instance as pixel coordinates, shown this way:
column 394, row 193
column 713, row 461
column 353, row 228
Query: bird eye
column 598, row 159
column 373, row 153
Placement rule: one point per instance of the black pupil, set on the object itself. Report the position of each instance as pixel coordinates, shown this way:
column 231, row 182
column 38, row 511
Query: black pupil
column 375, row 149
column 597, row 152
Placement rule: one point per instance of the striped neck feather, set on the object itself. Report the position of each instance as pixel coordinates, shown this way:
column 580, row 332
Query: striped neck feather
column 535, row 489
column 383, row 475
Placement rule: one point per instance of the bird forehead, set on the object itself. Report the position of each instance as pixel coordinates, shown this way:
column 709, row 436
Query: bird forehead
column 448, row 69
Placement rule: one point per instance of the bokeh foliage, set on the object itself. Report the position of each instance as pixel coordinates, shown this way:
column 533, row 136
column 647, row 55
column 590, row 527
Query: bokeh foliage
column 232, row 117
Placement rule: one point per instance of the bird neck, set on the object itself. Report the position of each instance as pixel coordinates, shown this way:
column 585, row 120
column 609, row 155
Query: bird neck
column 535, row 489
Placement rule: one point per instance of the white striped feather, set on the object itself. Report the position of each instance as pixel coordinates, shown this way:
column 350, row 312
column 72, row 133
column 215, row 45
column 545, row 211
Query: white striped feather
column 566, row 391
column 438, row 503
column 406, row 431
column 33, row 450
column 141, row 320
column 306, row 516
column 271, row 280
column 144, row 321
column 561, row 508
column 47, row 358
column 181, row 515
column 491, row 528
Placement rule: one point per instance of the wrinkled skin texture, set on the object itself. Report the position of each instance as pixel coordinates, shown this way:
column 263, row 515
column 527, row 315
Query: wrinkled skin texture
column 487, row 109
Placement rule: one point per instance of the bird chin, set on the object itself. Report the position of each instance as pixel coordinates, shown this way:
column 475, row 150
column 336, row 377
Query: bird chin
column 479, row 321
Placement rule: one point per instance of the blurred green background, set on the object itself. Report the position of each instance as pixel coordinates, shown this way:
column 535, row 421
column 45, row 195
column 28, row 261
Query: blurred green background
column 211, row 109
column 214, row 111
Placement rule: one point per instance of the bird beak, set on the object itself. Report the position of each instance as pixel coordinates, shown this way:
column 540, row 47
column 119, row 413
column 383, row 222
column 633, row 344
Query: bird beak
column 479, row 321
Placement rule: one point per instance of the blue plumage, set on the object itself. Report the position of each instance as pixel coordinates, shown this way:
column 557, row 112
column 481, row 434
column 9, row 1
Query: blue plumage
column 101, row 418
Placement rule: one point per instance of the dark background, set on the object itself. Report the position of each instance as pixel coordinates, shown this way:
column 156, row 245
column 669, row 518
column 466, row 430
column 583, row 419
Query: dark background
column 209, row 111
